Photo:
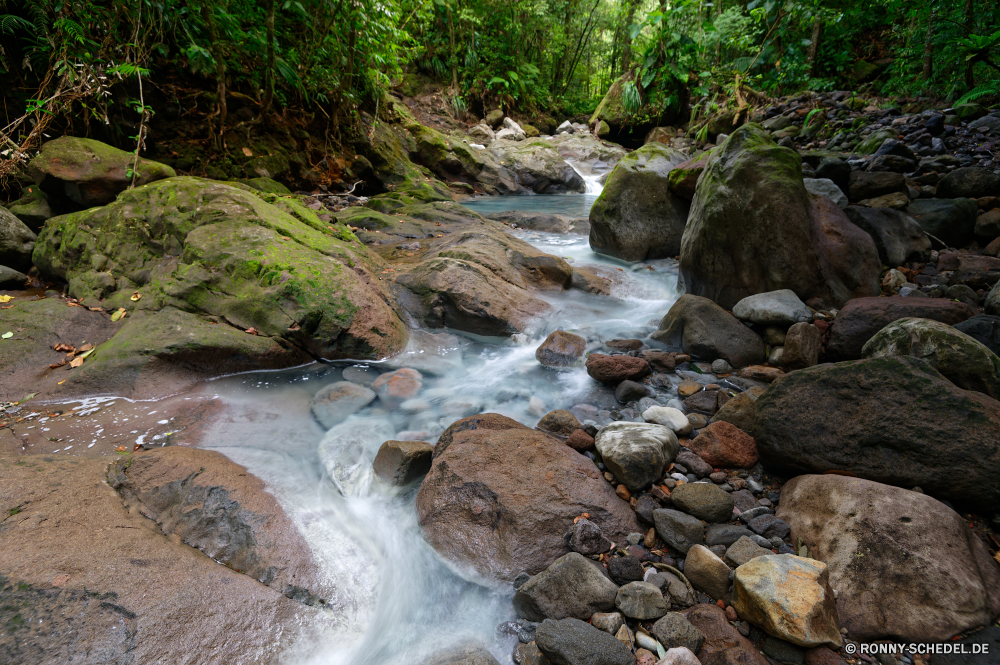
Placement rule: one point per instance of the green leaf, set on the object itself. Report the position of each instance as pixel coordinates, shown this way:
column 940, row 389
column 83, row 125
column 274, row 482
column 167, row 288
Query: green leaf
column 6, row 335
column 647, row 77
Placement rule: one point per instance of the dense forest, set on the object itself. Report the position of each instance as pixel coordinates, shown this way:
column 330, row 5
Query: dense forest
column 132, row 71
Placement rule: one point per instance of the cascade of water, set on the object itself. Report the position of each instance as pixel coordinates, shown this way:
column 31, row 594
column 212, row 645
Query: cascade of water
column 591, row 180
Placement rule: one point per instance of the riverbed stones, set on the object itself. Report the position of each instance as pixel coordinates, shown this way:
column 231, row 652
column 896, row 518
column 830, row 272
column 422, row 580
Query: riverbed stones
column 574, row 642
column 803, row 345
column 668, row 417
column 754, row 228
column 561, row 349
column 673, row 630
column 790, row 598
column 707, row 572
column 679, row 530
column 884, row 419
column 773, row 308
column 615, row 369
column 703, row 500
column 964, row 361
column 743, row 550
column 694, row 464
column 586, row 538
column 400, row 463
column 637, row 217
column 560, row 422
column 705, row 331
column 740, row 410
column 572, row 586
column 826, row 187
column 630, row 391
column 724, row 445
column 499, row 497
column 625, row 569
column 78, row 173
column 888, row 547
column 723, row 644
column 335, row 402
column 860, row 319
column 898, row 237
column 952, row 221
column 609, row 622
column 642, row 601
column 969, row 183
column 984, row 329
column 636, row 453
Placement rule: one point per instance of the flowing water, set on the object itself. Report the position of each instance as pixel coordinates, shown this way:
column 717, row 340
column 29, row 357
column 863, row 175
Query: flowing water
column 397, row 601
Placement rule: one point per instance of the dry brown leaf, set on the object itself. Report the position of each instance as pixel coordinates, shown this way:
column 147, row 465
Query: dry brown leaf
column 85, row 347
column 248, row 152
column 252, row 331
column 76, row 362
column 65, row 348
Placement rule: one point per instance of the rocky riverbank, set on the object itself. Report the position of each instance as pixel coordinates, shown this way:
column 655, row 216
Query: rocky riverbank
column 799, row 455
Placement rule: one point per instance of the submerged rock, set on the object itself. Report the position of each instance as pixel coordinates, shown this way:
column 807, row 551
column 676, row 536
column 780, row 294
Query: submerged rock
column 500, row 496
column 335, row 402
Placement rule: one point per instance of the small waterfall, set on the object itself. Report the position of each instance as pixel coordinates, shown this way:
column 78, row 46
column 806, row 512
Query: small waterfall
column 590, row 179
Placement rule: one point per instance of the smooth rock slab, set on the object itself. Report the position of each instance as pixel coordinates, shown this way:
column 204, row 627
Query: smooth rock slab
column 780, row 307
column 790, row 598
column 571, row 587
column 887, row 547
column 703, row 500
column 679, row 530
column 636, row 453
column 573, row 642
column 743, row 550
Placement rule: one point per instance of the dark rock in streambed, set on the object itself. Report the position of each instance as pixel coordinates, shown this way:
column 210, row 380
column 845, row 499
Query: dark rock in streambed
column 951, row 221
column 11, row 279
column 630, row 391
column 707, row 332
column 969, row 183
column 984, row 329
column 574, row 642
column 893, row 420
column 540, row 221
column 898, row 237
column 573, row 586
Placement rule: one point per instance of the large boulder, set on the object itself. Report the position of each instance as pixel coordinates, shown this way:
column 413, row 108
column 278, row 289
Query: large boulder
column 16, row 242
column 860, row 319
column 905, row 566
column 790, row 598
column 538, row 166
column 636, row 217
column 705, row 331
column 984, row 329
column 573, row 586
column 238, row 257
column 574, row 642
column 214, row 505
column 952, row 221
column 623, row 127
column 79, row 173
column 754, row 228
column 970, row 182
column 499, row 497
column 637, row 453
column 898, row 237
column 964, row 361
column 894, row 420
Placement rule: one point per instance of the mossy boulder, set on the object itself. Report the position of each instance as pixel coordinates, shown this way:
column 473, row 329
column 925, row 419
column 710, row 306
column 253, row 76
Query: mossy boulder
column 875, row 140
column 969, row 112
column 16, row 242
column 33, row 208
column 637, row 217
column 537, row 165
column 248, row 259
column 754, row 228
column 963, row 360
column 893, row 420
column 80, row 173
column 626, row 128
column 266, row 185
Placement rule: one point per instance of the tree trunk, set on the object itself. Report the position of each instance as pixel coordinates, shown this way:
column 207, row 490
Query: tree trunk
column 220, row 67
column 928, row 49
column 454, row 55
column 813, row 57
column 269, row 66
column 970, row 82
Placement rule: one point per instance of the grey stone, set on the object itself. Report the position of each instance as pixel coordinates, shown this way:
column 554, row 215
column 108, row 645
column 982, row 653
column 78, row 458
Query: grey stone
column 803, row 344
column 706, row 572
column 725, row 534
column 645, row 506
column 470, row 653
column 678, row 530
column 784, row 652
column 571, row 587
column 742, row 551
column 953, row 221
column 671, row 586
column 826, row 187
column 641, row 600
column 636, row 453
column 573, row 642
column 335, row 402
column 744, row 500
column 696, row 465
column 586, row 538
column 983, row 328
column 561, row 349
column 630, row 391
column 770, row 526
column 898, row 237
column 11, row 279
column 970, row 183
column 781, row 307
column 705, row 331
column 625, row 569
column 673, row 630
column 704, row 500
column 16, row 242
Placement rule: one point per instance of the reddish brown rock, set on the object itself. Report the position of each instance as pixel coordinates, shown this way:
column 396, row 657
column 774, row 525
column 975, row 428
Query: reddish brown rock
column 823, row 656
column 399, row 386
column 560, row 422
column 760, row 373
column 580, row 440
column 615, row 369
column 723, row 644
column 659, row 361
column 724, row 445
column 561, row 349
column 803, row 344
column 500, row 496
column 861, row 318
column 706, row 401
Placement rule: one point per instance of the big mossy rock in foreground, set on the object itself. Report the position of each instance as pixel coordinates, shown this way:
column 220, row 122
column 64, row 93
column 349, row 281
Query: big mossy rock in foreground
column 637, row 217
column 500, row 496
column 233, row 257
column 893, row 420
column 753, row 228
column 80, row 173
column 905, row 565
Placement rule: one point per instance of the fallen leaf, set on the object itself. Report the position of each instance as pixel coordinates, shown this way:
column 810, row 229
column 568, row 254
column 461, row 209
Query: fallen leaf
column 61, row 382
column 57, row 365
column 65, row 348
column 121, row 449
column 96, row 309
column 84, row 354
column 135, row 296
column 76, row 362
column 6, row 335
column 295, row 327
column 285, row 238
column 85, row 347
column 6, row 298
column 118, row 314
column 248, row 152
column 7, row 307
column 252, row 331
column 136, row 447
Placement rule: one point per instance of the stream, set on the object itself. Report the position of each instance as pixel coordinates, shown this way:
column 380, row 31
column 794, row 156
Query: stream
column 398, row 601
